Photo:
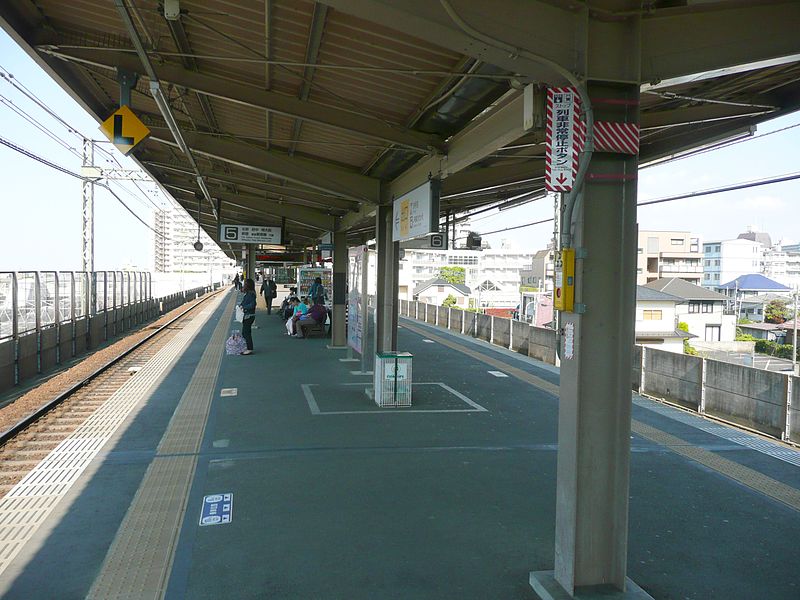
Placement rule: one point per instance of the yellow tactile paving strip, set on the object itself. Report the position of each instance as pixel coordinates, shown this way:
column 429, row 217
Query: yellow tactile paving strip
column 140, row 558
column 746, row 476
column 29, row 503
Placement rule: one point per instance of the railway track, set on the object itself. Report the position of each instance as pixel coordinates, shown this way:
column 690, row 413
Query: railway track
column 30, row 440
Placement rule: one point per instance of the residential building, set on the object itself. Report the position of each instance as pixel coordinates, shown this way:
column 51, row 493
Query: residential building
column 176, row 233
column 668, row 254
column 704, row 311
column 725, row 260
column 492, row 275
column 782, row 265
column 542, row 270
column 656, row 324
column 748, row 294
column 436, row 291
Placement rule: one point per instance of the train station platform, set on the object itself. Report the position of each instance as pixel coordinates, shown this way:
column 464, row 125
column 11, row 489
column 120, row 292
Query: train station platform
column 319, row 494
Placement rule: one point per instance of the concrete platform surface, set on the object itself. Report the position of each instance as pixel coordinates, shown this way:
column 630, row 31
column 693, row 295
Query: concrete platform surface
column 334, row 498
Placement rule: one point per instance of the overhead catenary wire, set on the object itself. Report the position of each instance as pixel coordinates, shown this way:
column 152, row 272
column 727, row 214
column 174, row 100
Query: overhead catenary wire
column 707, row 192
column 66, row 171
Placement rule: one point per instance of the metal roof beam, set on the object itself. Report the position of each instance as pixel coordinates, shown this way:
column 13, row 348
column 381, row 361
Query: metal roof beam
column 312, row 50
column 314, row 174
column 180, row 180
column 675, row 42
column 283, row 192
column 250, row 95
column 302, row 215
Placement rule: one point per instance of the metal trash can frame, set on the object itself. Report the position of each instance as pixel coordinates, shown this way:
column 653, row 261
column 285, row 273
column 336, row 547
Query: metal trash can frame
column 392, row 379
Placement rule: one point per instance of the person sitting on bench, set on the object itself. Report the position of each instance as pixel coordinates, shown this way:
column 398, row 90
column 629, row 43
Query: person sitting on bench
column 316, row 315
column 299, row 310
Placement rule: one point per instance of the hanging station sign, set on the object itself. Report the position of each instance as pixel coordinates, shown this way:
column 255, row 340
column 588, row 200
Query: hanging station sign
column 250, row 234
column 416, row 213
column 565, row 135
column 124, row 130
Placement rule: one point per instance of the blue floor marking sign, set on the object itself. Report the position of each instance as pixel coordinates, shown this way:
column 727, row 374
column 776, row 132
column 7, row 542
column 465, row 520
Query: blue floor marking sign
column 217, row 509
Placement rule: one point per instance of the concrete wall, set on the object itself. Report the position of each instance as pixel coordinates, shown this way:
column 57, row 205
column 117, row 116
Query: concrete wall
column 744, row 347
column 674, row 377
column 794, row 412
column 747, row 396
column 520, row 335
column 469, row 322
column 542, row 344
column 456, row 319
column 442, row 313
column 6, row 364
column 502, row 332
column 636, row 372
column 404, row 307
column 484, row 327
column 737, row 393
column 48, row 348
column 430, row 313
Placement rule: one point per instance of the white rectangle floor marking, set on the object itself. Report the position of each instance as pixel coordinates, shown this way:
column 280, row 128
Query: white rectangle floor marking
column 498, row 373
column 224, row 392
column 28, row 503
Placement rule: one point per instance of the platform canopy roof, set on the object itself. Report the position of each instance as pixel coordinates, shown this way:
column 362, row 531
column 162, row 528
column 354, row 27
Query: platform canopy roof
column 313, row 112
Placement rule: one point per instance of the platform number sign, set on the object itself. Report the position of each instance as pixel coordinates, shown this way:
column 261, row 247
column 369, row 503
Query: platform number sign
column 124, row 130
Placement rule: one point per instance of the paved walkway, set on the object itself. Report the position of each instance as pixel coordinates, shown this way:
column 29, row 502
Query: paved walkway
column 334, row 498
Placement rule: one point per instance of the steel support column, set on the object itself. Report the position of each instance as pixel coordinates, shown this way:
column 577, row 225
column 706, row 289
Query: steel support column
column 340, row 265
column 595, row 398
column 386, row 299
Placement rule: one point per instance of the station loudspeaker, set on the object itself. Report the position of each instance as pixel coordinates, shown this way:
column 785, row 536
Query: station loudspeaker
column 473, row 241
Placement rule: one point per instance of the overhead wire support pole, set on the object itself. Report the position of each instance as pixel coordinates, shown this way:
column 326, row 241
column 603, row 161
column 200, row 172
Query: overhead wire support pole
column 88, row 220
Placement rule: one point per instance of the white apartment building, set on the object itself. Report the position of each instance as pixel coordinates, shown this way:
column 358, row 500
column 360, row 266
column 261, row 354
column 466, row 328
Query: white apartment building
column 782, row 266
column 493, row 276
column 174, row 246
column 702, row 310
column 668, row 254
column 725, row 260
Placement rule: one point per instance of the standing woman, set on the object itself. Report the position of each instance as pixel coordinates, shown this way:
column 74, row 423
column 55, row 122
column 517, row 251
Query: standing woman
column 248, row 305
column 317, row 292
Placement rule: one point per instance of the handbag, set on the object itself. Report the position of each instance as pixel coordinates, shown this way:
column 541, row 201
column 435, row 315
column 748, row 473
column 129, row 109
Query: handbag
column 235, row 344
column 238, row 315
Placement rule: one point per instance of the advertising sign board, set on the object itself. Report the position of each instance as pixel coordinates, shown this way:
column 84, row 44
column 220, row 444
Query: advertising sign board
column 417, row 212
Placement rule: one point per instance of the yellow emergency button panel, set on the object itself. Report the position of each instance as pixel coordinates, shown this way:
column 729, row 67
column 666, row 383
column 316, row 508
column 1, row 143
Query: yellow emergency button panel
column 564, row 292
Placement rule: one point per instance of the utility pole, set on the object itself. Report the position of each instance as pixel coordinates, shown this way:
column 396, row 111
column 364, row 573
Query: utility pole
column 88, row 225
column 794, row 336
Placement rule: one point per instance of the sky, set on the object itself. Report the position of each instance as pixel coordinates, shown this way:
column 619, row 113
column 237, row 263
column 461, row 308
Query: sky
column 44, row 205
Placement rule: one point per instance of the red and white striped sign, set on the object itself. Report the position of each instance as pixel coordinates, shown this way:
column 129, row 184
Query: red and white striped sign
column 622, row 138
column 565, row 135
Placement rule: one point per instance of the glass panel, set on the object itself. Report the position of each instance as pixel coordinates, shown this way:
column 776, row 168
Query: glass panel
column 26, row 301
column 118, row 291
column 99, row 282
column 47, row 295
column 80, row 294
column 65, row 296
column 6, row 305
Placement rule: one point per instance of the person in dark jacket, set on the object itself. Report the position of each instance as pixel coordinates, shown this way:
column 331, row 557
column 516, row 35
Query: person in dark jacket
column 270, row 291
column 248, row 305
column 317, row 291
column 236, row 281
column 316, row 314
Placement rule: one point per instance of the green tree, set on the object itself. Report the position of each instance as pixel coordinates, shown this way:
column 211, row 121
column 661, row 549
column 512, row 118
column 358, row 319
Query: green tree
column 456, row 275
column 687, row 348
column 450, row 301
column 776, row 311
